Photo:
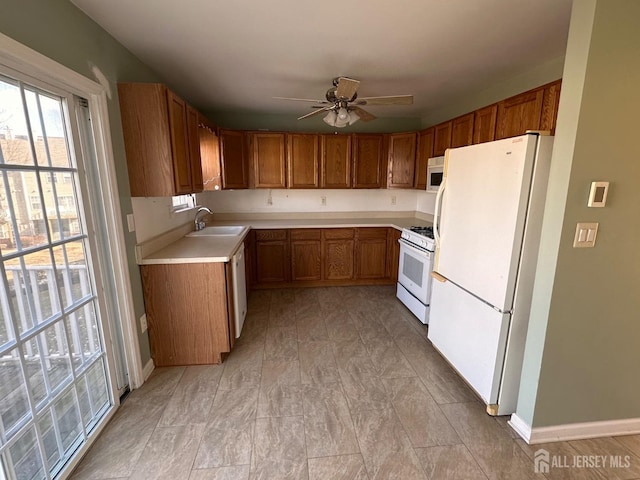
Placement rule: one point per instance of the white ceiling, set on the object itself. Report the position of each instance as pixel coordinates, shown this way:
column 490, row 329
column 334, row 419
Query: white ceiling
column 237, row 54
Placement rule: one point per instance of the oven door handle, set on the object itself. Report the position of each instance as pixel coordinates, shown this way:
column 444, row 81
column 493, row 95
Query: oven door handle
column 404, row 244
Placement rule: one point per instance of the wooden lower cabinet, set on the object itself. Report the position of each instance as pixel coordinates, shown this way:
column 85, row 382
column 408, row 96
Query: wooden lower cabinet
column 272, row 256
column 371, row 253
column 189, row 312
column 338, row 254
column 306, row 255
column 328, row 256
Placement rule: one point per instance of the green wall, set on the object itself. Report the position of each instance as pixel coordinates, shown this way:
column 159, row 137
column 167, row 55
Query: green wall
column 582, row 356
column 57, row 29
column 290, row 123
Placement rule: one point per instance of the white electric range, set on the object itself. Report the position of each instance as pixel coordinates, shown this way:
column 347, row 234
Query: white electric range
column 417, row 247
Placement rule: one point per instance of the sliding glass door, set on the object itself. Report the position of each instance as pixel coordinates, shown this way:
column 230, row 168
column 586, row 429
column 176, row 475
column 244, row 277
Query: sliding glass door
column 55, row 385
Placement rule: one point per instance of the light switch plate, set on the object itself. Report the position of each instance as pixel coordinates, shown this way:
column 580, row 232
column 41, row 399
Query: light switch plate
column 585, row 235
column 131, row 224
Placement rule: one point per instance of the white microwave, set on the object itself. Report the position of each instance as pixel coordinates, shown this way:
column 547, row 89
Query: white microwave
column 435, row 172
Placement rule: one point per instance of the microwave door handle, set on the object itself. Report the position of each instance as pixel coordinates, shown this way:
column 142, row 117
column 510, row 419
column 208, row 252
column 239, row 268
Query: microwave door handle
column 436, row 213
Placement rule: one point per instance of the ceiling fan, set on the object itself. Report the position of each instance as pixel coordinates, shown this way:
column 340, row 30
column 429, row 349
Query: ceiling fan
column 343, row 106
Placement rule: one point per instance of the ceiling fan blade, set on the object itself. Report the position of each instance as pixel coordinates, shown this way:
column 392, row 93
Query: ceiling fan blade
column 390, row 100
column 300, row 99
column 363, row 114
column 347, row 87
column 321, row 110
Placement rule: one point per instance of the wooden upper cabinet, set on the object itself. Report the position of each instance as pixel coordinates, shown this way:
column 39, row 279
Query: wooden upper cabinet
column 303, row 160
column 335, row 161
column 268, row 160
column 518, row 114
column 424, row 153
column 367, row 161
column 209, row 155
column 193, row 120
column 160, row 142
column 484, row 125
column 442, row 138
column 550, row 101
column 233, row 159
column 462, row 131
column 402, row 160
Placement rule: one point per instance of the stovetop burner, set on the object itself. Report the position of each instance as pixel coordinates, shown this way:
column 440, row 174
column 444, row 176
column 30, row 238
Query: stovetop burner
column 426, row 231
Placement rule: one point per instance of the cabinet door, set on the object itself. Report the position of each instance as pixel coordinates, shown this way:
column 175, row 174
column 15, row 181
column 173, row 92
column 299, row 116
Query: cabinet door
column 336, row 161
column 272, row 260
column 518, row 114
column 550, row 101
column 402, row 160
column 233, row 159
column 424, row 153
column 193, row 119
column 484, row 125
column 462, row 131
column 179, row 143
column 267, row 152
column 338, row 252
column 442, row 138
column 210, row 156
column 306, row 255
column 303, row 160
column 393, row 253
column 367, row 161
column 371, row 253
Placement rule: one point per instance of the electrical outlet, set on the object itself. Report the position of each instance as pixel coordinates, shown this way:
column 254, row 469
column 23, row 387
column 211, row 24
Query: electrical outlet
column 323, row 200
column 143, row 323
column 393, row 200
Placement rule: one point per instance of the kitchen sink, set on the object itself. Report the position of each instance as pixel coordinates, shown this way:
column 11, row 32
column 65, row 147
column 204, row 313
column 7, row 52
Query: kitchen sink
column 218, row 231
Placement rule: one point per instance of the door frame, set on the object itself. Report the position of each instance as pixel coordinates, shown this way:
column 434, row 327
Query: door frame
column 27, row 61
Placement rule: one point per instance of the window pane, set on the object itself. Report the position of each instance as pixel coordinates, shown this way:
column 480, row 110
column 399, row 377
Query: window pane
column 6, row 327
column 49, row 438
column 21, row 187
column 14, row 140
column 73, row 275
column 49, row 349
column 61, row 205
column 50, row 143
column 68, row 417
column 26, row 458
column 97, row 382
column 14, row 404
column 85, row 338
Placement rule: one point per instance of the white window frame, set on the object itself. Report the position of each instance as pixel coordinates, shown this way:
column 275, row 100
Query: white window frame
column 28, row 62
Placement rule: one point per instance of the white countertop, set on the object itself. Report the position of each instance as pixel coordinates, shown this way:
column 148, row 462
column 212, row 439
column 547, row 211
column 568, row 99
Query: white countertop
column 215, row 249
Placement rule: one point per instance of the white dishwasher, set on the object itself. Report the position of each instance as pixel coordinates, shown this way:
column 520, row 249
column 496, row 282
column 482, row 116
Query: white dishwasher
column 238, row 277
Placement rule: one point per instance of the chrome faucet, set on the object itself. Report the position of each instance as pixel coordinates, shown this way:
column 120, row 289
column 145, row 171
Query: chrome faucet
column 200, row 224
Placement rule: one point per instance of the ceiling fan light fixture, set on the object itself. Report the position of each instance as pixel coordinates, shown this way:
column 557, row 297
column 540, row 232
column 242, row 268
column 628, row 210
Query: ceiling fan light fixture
column 342, row 118
column 330, row 118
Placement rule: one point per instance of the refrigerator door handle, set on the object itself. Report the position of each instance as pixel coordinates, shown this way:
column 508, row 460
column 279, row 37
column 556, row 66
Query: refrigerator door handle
column 436, row 213
column 438, row 277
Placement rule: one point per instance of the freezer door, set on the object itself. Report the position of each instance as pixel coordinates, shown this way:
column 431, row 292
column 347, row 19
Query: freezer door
column 471, row 335
column 483, row 214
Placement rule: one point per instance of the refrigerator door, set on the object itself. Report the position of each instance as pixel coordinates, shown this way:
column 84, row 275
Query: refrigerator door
column 471, row 335
column 483, row 214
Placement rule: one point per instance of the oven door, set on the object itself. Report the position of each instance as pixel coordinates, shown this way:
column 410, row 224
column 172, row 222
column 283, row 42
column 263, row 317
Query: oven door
column 414, row 271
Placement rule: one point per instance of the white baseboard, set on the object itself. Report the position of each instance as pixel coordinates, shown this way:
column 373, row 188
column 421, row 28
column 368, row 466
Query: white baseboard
column 521, row 427
column 148, row 368
column 574, row 431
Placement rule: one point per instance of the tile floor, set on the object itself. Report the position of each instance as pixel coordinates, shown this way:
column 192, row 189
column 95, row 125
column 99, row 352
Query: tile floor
column 325, row 384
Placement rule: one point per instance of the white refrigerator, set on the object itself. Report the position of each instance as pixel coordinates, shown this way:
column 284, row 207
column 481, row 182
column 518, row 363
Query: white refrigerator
column 487, row 225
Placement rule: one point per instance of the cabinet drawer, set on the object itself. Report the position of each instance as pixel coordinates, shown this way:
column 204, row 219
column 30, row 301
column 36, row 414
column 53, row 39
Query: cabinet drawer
column 337, row 233
column 372, row 232
column 270, row 235
column 306, row 234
